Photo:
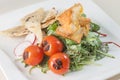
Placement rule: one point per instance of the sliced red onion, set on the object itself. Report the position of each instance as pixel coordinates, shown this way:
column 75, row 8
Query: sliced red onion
column 19, row 49
column 31, row 37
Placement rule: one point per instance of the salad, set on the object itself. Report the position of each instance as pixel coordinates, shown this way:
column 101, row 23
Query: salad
column 60, row 42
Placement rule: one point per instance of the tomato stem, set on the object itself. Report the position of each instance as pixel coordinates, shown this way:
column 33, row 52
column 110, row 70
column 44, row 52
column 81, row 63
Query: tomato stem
column 110, row 42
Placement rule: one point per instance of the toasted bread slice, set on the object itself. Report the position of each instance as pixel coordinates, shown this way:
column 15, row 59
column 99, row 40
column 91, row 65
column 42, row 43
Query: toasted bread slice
column 77, row 36
column 68, row 19
column 73, row 25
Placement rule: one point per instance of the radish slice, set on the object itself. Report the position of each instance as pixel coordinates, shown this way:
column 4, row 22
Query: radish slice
column 36, row 42
column 31, row 37
column 19, row 49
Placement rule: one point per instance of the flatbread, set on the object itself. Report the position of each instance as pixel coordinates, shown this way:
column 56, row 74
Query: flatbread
column 41, row 16
column 33, row 22
column 15, row 32
column 36, row 29
column 38, row 19
column 50, row 15
column 36, row 16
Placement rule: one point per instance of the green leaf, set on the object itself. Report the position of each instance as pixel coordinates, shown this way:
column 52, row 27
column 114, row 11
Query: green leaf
column 83, row 14
column 70, row 42
column 108, row 55
column 94, row 27
column 51, row 28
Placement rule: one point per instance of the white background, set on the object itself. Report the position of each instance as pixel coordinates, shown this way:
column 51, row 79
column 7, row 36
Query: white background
column 111, row 7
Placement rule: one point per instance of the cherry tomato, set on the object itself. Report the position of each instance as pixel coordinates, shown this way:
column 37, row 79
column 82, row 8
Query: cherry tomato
column 52, row 45
column 59, row 63
column 33, row 55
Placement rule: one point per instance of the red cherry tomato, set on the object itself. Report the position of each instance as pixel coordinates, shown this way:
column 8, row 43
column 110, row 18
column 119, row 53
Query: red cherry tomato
column 33, row 55
column 52, row 45
column 59, row 63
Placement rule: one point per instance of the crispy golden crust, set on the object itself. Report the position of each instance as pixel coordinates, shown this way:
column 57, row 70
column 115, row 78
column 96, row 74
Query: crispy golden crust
column 65, row 20
column 77, row 36
column 73, row 25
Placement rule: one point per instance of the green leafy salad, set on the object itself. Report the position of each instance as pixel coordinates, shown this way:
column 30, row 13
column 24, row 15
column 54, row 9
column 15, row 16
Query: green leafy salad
column 90, row 49
column 66, row 42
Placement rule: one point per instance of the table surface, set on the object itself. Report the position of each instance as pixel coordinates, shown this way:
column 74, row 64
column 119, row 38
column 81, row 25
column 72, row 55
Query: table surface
column 111, row 7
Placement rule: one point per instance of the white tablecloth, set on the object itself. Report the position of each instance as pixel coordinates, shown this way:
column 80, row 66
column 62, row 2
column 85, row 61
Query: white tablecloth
column 111, row 7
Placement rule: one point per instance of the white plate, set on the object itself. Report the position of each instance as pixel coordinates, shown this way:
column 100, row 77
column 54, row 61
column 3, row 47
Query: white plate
column 15, row 70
